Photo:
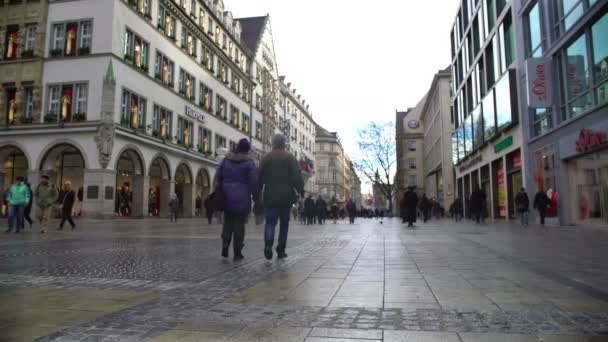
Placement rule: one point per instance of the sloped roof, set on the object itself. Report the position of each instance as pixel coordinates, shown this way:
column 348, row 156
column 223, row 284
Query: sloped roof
column 251, row 31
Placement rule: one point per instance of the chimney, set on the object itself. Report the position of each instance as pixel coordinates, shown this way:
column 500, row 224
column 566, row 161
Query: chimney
column 289, row 85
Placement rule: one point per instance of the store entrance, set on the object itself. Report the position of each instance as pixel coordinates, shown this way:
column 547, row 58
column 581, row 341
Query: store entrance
column 589, row 185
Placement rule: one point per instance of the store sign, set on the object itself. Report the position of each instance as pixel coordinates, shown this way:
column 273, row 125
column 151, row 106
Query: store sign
column 538, row 71
column 502, row 196
column 588, row 139
column 503, row 144
column 195, row 114
column 470, row 163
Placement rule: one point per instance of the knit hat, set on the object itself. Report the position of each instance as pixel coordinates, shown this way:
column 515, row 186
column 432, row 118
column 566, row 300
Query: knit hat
column 243, row 146
column 278, row 141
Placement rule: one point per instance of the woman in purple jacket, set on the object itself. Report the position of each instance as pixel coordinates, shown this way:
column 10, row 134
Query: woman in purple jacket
column 238, row 178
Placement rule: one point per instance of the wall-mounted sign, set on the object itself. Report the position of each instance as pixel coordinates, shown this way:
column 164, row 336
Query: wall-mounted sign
column 413, row 124
column 538, row 71
column 195, row 114
column 470, row 163
column 588, row 139
column 508, row 141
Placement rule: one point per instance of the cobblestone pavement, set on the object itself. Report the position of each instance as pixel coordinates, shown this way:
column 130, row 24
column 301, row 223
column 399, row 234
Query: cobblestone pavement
column 128, row 280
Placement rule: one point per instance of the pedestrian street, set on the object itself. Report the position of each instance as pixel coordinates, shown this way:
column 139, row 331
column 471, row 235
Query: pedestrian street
column 149, row 280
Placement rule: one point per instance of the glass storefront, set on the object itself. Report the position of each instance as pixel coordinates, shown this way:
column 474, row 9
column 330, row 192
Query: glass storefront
column 544, row 177
column 588, row 177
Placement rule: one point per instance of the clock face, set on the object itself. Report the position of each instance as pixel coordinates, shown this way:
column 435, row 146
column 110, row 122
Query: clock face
column 413, row 124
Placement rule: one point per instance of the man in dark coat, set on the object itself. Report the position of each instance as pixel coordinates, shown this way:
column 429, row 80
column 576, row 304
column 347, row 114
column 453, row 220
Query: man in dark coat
column 478, row 200
column 522, row 201
column 425, row 208
column 351, row 207
column 67, row 203
column 209, row 207
column 238, row 180
column 408, row 204
column 282, row 182
column 309, row 209
column 541, row 202
column 321, row 209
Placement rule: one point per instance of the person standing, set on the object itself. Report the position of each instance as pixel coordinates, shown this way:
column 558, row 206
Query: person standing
column 522, row 201
column 17, row 198
column 198, row 205
column 209, row 207
column 477, row 204
column 46, row 197
column 321, row 210
column 281, row 181
column 334, row 209
column 424, row 206
column 408, row 205
column 67, row 204
column 173, row 207
column 28, row 207
column 238, row 180
column 351, row 207
column 541, row 202
column 309, row 210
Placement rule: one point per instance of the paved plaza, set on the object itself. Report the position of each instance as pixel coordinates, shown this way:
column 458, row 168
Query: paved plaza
column 149, row 280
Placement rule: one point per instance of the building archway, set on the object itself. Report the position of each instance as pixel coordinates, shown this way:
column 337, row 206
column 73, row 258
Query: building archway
column 64, row 163
column 184, row 189
column 160, row 187
column 203, row 188
column 13, row 164
column 130, row 184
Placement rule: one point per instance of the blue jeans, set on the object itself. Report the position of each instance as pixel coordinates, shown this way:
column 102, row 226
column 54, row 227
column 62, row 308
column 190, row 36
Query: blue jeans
column 273, row 215
column 15, row 213
column 523, row 218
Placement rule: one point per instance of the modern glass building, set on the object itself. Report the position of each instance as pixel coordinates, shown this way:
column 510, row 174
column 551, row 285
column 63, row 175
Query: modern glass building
column 566, row 49
column 488, row 139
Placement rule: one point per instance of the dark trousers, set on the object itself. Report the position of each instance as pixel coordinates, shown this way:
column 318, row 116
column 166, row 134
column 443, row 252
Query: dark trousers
column 15, row 217
column 234, row 225
column 66, row 215
column 209, row 216
column 26, row 216
column 173, row 216
column 273, row 216
column 542, row 212
column 321, row 219
column 351, row 219
column 309, row 220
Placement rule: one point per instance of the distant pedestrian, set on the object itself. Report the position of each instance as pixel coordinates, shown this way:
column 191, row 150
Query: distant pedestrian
column 321, row 210
column 173, row 207
column 198, row 205
column 425, row 207
column 456, row 209
column 334, row 209
column 46, row 197
column 281, row 181
column 309, row 210
column 209, row 206
column 522, row 202
column 68, row 198
column 351, row 207
column 237, row 178
column 408, row 205
column 28, row 207
column 541, row 202
column 478, row 199
column 17, row 198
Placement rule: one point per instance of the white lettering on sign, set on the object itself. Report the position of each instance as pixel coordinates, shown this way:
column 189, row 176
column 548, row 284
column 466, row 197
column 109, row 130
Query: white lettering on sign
column 195, row 114
column 538, row 71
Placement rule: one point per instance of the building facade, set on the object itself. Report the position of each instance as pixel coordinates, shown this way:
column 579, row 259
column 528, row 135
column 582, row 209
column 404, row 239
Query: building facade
column 488, row 139
column 141, row 98
column 409, row 137
column 333, row 176
column 565, row 106
column 437, row 146
column 355, row 181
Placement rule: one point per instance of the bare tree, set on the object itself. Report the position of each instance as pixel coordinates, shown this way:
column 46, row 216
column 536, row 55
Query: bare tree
column 377, row 156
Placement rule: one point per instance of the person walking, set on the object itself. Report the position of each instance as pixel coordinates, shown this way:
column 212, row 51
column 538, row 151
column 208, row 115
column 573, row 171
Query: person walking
column 237, row 179
column 198, row 205
column 456, row 209
column 28, row 207
column 541, row 202
column 522, row 201
column 334, row 209
column 68, row 198
column 17, row 198
column 173, row 207
column 477, row 204
column 281, row 182
column 351, row 207
column 408, row 205
column 209, row 206
column 309, row 210
column 46, row 197
column 425, row 207
column 321, row 210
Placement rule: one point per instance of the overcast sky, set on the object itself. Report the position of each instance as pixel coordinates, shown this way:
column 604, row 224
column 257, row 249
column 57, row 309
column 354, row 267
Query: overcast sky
column 355, row 61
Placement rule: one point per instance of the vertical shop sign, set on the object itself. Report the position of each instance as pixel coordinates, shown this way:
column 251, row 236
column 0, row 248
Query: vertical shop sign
column 502, row 196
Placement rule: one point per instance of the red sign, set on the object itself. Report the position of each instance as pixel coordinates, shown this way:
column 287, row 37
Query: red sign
column 516, row 159
column 587, row 139
column 539, row 82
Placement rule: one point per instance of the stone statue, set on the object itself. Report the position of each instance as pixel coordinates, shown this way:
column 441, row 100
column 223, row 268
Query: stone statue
column 105, row 143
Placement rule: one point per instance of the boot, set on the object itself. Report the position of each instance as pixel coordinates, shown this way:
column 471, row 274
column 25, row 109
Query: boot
column 281, row 250
column 225, row 245
column 238, row 248
column 268, row 249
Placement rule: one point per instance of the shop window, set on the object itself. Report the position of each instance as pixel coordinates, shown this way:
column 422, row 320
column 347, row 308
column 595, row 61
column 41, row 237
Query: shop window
column 188, row 43
column 205, row 140
column 141, row 6
column 599, row 32
column 588, row 177
column 245, row 123
column 71, row 38
column 489, row 117
column 503, row 103
column 30, row 41
column 221, row 107
column 166, row 22
column 11, row 106
column 67, row 103
column 164, row 69
column 543, row 121
column 534, row 32
column 234, row 116
column 133, row 110
column 544, row 177
column 201, row 19
column 11, row 42
column 220, row 141
column 258, row 132
column 576, row 87
column 507, row 43
column 455, row 149
column 468, row 135
column 205, row 97
column 187, row 85
column 161, row 122
column 136, row 51
column 476, row 120
column 185, row 128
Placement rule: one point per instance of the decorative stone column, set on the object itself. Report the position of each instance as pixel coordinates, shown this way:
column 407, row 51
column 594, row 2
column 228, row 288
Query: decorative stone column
column 99, row 193
column 166, row 189
column 140, row 196
column 33, row 177
column 188, row 200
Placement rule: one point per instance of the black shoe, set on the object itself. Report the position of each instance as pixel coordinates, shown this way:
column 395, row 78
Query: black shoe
column 224, row 252
column 73, row 227
column 268, row 251
column 281, row 255
column 60, row 228
column 239, row 257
